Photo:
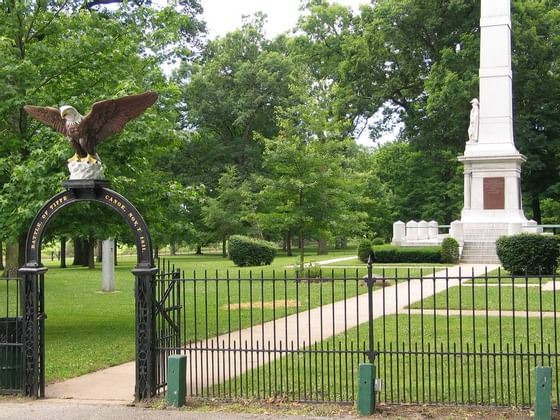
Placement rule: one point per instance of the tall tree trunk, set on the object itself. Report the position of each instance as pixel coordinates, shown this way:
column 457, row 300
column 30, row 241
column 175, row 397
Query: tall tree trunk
column 224, row 246
column 91, row 255
column 21, row 250
column 15, row 256
column 115, row 249
column 1, row 257
column 173, row 248
column 156, row 252
column 99, row 251
column 63, row 252
column 536, row 206
column 198, row 250
column 11, row 259
column 323, row 248
column 289, row 244
column 301, row 250
column 79, row 251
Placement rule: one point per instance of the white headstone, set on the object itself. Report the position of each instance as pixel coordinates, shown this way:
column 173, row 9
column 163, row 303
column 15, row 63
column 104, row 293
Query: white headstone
column 422, row 230
column 108, row 265
column 399, row 230
column 411, row 230
column 433, row 229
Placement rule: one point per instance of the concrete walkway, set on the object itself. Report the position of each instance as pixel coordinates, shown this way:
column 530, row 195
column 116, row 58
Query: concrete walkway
column 299, row 330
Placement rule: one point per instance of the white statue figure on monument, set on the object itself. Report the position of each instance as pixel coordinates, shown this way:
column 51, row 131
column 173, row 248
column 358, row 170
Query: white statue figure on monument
column 473, row 126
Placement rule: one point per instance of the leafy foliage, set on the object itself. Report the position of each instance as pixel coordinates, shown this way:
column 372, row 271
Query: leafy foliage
column 365, row 249
column 245, row 251
column 528, row 253
column 449, row 251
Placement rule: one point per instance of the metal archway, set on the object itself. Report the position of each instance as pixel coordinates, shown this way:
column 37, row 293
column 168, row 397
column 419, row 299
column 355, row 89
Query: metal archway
column 33, row 272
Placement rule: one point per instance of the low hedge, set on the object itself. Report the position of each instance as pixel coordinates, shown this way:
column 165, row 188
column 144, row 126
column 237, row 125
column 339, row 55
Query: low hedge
column 245, row 251
column 528, row 253
column 407, row 254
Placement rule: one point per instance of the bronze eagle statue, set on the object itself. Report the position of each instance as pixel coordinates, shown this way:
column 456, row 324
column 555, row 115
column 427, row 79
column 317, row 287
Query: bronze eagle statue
column 85, row 132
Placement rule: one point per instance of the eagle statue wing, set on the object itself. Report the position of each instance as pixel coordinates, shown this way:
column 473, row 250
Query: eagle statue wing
column 109, row 117
column 47, row 115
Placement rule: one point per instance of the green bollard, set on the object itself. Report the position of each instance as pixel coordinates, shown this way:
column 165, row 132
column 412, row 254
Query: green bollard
column 543, row 393
column 366, row 392
column 176, row 380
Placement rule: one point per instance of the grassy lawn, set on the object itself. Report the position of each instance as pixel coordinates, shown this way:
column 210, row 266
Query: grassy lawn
column 504, row 278
column 493, row 298
column 462, row 364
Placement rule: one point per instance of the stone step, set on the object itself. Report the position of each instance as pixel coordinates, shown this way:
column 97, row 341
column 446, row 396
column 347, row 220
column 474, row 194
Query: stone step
column 480, row 252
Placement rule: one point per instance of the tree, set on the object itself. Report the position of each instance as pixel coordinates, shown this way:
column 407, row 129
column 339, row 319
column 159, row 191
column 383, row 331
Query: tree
column 98, row 54
column 536, row 84
column 229, row 95
column 309, row 186
column 228, row 213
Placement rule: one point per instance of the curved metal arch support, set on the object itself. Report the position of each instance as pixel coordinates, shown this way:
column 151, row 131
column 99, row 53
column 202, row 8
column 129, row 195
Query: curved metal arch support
column 32, row 290
column 97, row 192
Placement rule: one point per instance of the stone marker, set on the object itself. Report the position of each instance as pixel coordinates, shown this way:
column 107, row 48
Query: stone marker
column 108, row 268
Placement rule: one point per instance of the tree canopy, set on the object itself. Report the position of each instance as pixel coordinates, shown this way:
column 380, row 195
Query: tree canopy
column 254, row 135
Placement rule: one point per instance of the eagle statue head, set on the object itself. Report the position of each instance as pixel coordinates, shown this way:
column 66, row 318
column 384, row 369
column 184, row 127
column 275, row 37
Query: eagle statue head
column 70, row 114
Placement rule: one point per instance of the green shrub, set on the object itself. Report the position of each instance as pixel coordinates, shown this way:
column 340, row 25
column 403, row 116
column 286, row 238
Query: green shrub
column 245, row 251
column 407, row 254
column 310, row 271
column 378, row 241
column 365, row 248
column 449, row 251
column 528, row 253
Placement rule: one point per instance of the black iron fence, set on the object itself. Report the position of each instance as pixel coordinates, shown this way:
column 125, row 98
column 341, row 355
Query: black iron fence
column 452, row 337
column 11, row 332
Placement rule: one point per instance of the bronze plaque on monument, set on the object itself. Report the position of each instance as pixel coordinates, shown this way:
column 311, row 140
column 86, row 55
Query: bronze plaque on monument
column 494, row 197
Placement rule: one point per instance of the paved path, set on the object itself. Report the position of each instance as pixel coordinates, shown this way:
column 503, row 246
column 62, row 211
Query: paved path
column 78, row 410
column 298, row 330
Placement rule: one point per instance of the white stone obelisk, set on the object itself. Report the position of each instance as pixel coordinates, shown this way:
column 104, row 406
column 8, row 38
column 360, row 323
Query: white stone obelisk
column 492, row 164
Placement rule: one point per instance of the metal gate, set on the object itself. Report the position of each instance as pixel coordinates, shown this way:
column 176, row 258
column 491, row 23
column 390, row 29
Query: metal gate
column 11, row 336
column 167, row 318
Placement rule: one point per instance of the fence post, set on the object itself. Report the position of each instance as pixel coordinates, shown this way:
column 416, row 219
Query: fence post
column 366, row 374
column 176, row 380
column 543, row 393
column 366, row 392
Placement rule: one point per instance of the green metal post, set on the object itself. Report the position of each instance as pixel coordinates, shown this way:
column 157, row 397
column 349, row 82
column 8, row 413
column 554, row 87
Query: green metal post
column 543, row 393
column 366, row 393
column 176, row 380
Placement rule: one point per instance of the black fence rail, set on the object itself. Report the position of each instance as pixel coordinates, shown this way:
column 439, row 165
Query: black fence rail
column 451, row 337
column 11, row 332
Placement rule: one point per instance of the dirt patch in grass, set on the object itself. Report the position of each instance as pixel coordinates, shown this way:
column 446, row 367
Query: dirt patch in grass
column 278, row 304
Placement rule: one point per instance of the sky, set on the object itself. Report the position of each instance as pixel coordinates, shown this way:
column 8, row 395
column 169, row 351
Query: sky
column 223, row 16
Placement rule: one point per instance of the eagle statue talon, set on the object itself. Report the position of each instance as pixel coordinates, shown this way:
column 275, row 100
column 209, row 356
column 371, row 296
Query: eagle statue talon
column 89, row 159
column 85, row 132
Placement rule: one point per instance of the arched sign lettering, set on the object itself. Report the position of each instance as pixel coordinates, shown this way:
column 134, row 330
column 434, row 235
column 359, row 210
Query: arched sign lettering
column 101, row 195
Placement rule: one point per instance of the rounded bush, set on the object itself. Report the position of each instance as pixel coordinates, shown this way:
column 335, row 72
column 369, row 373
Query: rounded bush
column 449, row 251
column 245, row 251
column 365, row 248
column 528, row 253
